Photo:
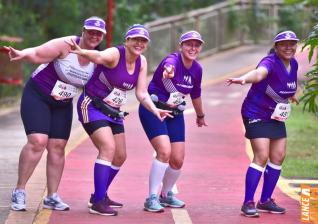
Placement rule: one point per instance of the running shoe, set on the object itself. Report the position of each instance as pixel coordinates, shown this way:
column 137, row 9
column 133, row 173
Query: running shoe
column 102, row 208
column 171, row 201
column 54, row 202
column 270, row 206
column 111, row 203
column 152, row 204
column 248, row 209
column 18, row 200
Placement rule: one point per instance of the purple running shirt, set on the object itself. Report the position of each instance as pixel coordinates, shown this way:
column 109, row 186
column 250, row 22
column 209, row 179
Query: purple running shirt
column 277, row 87
column 185, row 81
column 102, row 84
column 105, row 79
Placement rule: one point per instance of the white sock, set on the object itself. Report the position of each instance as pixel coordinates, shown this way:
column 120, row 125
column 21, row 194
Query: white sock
column 170, row 178
column 157, row 172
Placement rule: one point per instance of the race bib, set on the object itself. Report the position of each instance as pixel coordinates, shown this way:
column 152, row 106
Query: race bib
column 63, row 91
column 281, row 112
column 175, row 98
column 116, row 98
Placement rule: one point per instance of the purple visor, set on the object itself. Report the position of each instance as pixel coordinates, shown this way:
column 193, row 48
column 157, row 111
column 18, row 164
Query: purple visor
column 191, row 35
column 95, row 23
column 137, row 30
column 286, row 35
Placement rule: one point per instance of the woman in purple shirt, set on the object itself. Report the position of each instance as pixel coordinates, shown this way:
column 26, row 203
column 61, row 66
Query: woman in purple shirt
column 178, row 75
column 47, row 109
column 120, row 69
column 266, row 107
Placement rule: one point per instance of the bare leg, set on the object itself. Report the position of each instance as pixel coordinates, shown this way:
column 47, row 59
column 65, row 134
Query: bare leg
column 260, row 148
column 120, row 152
column 55, row 163
column 30, row 156
column 277, row 151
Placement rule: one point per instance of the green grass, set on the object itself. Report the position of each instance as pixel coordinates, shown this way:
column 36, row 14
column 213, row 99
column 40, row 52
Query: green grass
column 302, row 145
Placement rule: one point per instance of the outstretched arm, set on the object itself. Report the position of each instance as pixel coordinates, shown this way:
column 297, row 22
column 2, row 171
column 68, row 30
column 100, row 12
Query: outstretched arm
column 143, row 96
column 253, row 76
column 44, row 53
column 107, row 57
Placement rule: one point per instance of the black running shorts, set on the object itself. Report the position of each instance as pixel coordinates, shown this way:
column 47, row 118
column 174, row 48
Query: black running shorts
column 43, row 114
column 256, row 128
column 92, row 126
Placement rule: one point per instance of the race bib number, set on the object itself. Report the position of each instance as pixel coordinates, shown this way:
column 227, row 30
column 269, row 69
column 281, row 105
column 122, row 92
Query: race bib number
column 281, row 112
column 175, row 98
column 116, row 98
column 63, row 91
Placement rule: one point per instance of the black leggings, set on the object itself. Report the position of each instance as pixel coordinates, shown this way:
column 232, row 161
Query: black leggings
column 43, row 114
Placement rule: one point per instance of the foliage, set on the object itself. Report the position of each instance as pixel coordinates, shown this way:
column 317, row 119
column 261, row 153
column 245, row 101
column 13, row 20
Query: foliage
column 310, row 92
column 290, row 16
column 310, row 96
column 128, row 12
column 302, row 147
column 37, row 21
column 306, row 2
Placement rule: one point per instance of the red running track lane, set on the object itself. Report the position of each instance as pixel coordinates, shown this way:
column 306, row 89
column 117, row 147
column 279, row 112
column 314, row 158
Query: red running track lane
column 212, row 180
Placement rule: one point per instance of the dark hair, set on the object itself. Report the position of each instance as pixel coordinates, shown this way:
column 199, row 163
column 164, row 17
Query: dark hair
column 271, row 51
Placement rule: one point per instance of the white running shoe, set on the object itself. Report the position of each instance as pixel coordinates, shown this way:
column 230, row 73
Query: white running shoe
column 18, row 200
column 54, row 202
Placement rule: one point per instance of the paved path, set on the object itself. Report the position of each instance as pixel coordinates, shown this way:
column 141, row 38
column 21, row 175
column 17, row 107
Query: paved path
column 213, row 175
column 212, row 181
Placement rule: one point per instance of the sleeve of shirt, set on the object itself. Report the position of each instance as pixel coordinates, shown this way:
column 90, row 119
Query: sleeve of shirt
column 266, row 63
column 170, row 60
column 196, row 91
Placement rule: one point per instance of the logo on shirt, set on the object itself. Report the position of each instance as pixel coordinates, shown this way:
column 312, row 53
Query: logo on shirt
column 128, row 85
column 291, row 85
column 187, row 79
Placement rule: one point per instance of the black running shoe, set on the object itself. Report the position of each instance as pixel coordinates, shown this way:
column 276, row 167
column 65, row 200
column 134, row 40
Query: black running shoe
column 111, row 203
column 248, row 209
column 102, row 208
column 270, row 206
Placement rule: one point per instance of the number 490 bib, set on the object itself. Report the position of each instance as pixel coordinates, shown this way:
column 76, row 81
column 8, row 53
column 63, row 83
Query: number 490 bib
column 63, row 91
column 281, row 112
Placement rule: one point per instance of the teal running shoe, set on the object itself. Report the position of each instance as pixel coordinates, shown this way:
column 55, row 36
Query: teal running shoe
column 152, row 204
column 171, row 201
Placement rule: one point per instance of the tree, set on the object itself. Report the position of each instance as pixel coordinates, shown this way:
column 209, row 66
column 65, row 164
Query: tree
column 310, row 97
column 310, row 94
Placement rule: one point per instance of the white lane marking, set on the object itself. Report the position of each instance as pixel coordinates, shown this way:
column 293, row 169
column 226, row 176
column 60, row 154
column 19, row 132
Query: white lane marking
column 181, row 216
